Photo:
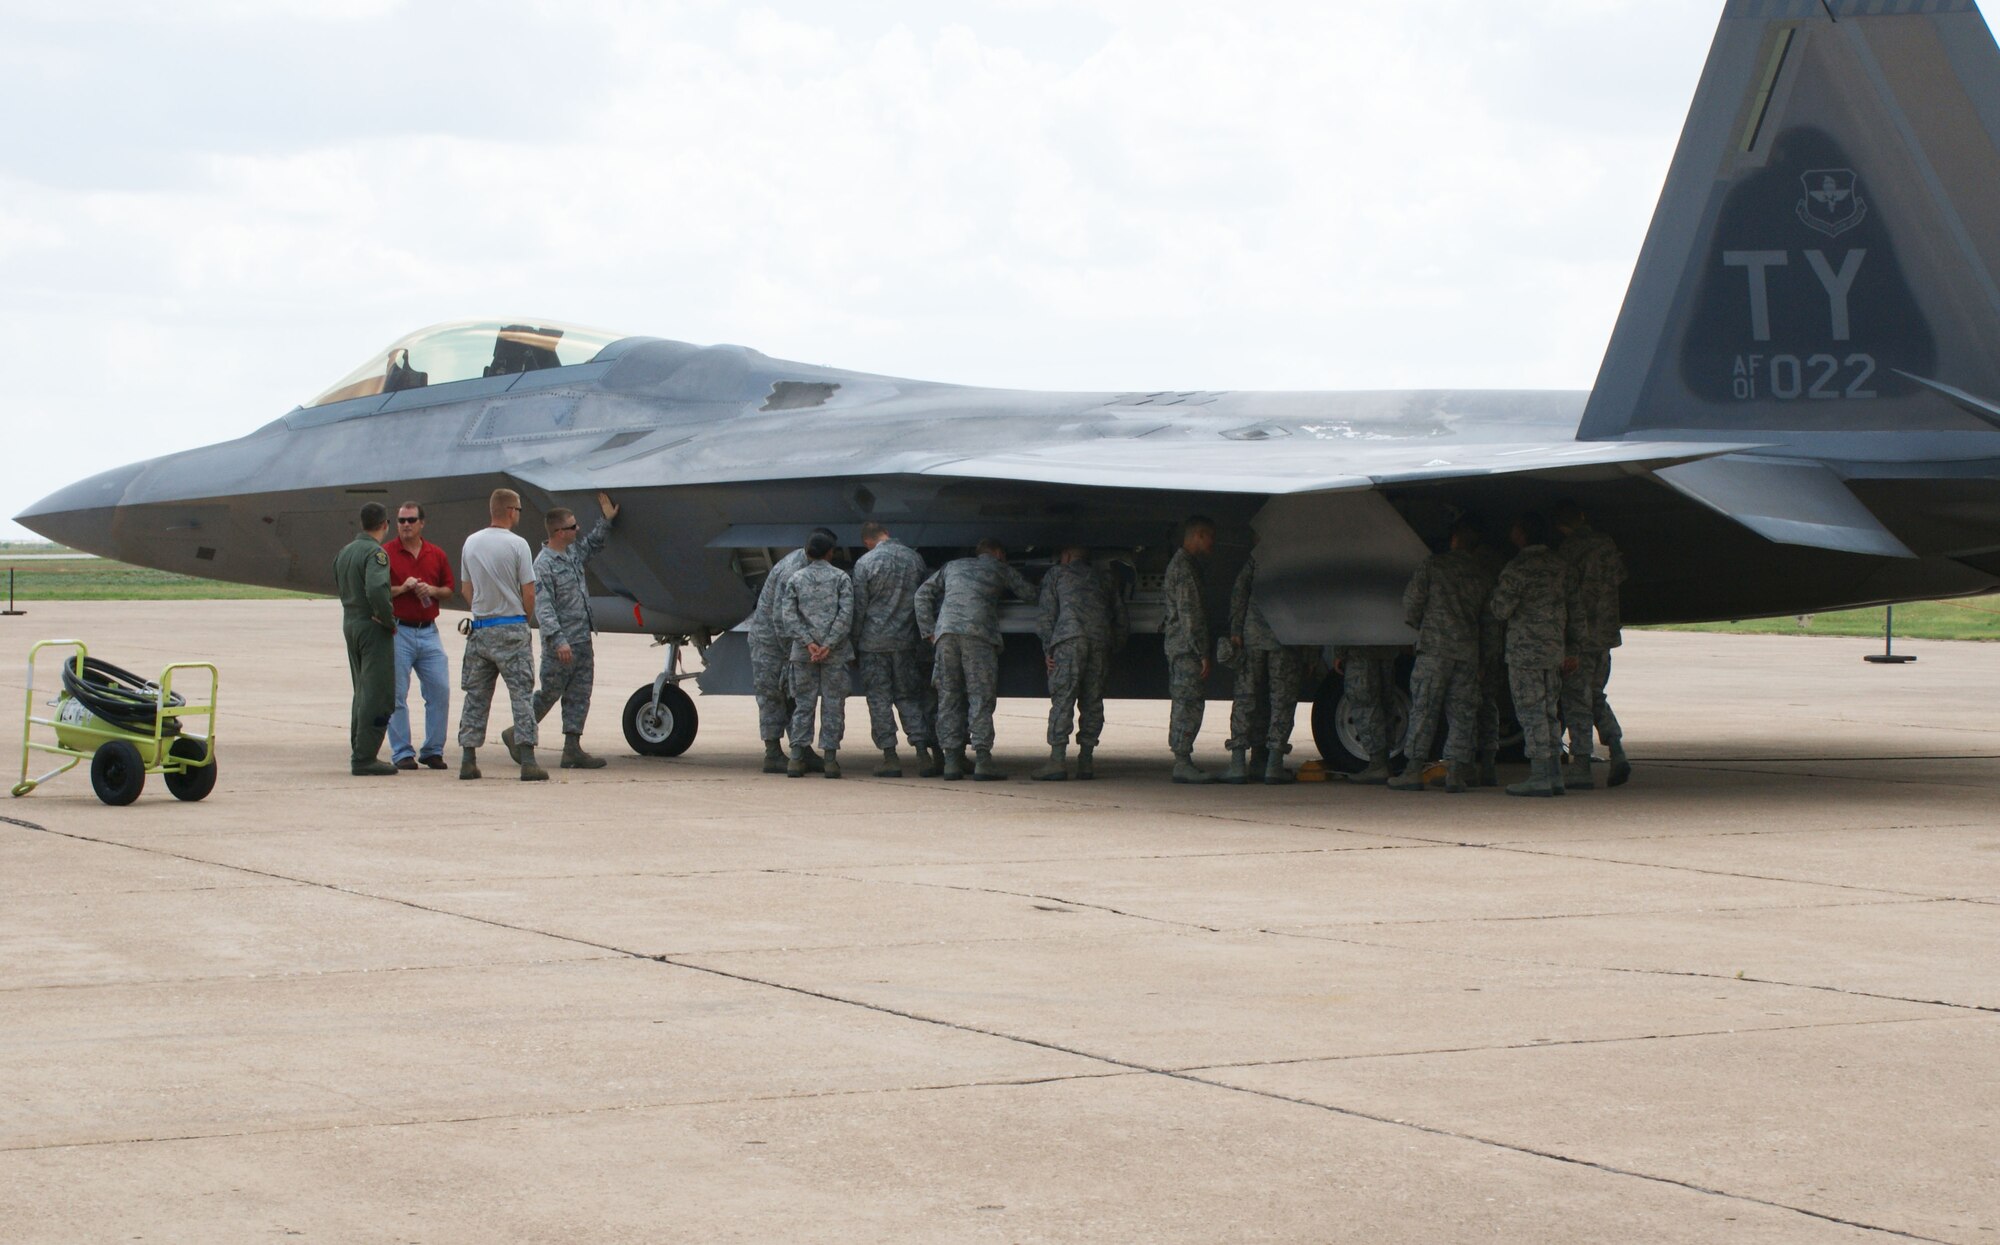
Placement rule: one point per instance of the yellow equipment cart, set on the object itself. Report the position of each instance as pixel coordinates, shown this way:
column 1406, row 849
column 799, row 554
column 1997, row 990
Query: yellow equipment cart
column 124, row 726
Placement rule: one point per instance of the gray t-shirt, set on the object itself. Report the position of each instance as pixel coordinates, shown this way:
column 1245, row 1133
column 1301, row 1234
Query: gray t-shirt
column 496, row 562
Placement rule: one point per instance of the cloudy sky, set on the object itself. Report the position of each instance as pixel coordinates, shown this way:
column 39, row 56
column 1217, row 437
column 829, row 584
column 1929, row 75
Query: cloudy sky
column 210, row 210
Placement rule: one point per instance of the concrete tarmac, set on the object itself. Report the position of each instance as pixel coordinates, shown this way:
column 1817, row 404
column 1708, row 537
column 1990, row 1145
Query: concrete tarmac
column 1749, row 997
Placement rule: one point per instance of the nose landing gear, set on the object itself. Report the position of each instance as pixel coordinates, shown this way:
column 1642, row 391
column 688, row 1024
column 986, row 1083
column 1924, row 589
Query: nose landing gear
column 660, row 719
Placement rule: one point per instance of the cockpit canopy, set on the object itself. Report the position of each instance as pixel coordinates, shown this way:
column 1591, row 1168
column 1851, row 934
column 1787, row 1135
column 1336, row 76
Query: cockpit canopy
column 469, row 349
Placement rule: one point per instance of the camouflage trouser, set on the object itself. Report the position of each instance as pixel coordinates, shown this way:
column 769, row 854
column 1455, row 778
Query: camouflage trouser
column 823, row 685
column 1583, row 702
column 1369, row 680
column 1185, row 690
column 1492, row 682
column 894, row 681
column 570, row 684
column 497, row 653
column 770, row 672
column 967, row 678
column 1076, row 691
column 1449, row 687
column 1537, row 701
column 1267, row 700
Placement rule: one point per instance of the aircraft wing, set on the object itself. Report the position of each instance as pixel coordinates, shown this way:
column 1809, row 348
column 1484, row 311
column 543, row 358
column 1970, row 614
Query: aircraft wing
column 1296, row 465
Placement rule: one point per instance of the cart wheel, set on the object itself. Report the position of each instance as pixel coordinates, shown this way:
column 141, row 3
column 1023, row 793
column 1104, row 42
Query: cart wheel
column 193, row 783
column 22, row 788
column 117, row 773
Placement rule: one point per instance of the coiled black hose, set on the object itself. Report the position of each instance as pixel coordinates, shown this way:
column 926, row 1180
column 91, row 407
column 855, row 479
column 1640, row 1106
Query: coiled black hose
column 119, row 697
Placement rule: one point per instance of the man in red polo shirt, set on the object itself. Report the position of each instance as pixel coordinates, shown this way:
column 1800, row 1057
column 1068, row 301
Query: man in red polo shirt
column 419, row 577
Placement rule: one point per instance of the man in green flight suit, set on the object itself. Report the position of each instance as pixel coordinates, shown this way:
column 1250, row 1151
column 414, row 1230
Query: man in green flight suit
column 368, row 622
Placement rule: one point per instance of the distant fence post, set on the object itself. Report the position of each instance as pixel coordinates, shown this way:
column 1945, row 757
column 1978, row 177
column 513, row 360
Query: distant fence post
column 1888, row 656
column 10, row 611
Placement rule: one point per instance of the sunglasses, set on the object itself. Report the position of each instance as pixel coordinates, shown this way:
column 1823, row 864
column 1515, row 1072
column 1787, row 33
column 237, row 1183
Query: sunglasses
column 571, row 528
column 401, row 519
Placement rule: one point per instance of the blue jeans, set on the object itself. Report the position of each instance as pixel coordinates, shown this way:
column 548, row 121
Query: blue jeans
column 420, row 649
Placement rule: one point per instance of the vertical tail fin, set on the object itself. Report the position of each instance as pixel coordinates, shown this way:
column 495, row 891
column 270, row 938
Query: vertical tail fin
column 1826, row 254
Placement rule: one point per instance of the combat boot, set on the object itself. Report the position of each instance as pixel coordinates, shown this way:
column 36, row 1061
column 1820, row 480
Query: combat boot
column 831, row 766
column 1377, row 772
column 530, row 772
column 774, row 757
column 983, row 769
column 796, row 767
column 890, row 767
column 954, row 765
column 1086, row 762
column 468, row 765
column 1539, row 780
column 1621, row 768
column 1186, row 771
column 1275, row 773
column 1238, row 772
column 1489, row 773
column 1455, row 777
column 1412, row 777
column 1260, row 761
column 374, row 769
column 1576, row 775
column 1057, row 769
column 574, row 757
column 814, row 765
column 933, row 762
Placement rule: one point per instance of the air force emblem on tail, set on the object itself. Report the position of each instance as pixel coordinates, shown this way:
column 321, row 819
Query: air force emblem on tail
column 1833, row 203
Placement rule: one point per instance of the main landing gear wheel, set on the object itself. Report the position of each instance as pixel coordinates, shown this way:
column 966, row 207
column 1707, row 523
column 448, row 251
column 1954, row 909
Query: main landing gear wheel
column 1334, row 716
column 663, row 730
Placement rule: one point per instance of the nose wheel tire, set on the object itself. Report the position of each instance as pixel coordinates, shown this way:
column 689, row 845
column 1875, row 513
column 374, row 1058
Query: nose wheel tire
column 663, row 730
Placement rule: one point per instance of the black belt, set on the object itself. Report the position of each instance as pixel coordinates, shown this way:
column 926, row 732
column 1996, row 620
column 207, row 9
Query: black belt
column 419, row 626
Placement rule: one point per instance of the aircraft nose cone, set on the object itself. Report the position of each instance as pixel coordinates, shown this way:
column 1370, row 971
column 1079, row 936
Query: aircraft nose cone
column 83, row 515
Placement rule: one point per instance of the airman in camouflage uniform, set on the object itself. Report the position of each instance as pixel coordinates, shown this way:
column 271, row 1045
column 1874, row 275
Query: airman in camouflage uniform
column 1444, row 604
column 1081, row 623
column 958, row 610
column 1492, row 665
column 1185, row 634
column 368, row 625
column 1596, row 570
column 1368, row 676
column 562, row 611
column 1532, row 598
column 771, row 663
column 886, row 579
column 1267, row 689
column 499, row 578
column 816, row 616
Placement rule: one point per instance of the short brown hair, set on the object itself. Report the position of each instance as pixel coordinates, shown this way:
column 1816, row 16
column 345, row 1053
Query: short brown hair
column 871, row 529
column 413, row 505
column 990, row 545
column 503, row 500
column 557, row 518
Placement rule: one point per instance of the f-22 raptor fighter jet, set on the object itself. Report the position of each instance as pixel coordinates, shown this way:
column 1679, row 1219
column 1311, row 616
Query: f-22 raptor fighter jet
column 1799, row 411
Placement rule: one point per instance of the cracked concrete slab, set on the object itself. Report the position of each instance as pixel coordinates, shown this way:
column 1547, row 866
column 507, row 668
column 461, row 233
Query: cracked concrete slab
column 129, row 1062
column 1930, row 950
column 1127, row 1159
column 91, row 939
column 1366, row 888
column 1829, row 1118
column 1940, row 855
column 1188, row 998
